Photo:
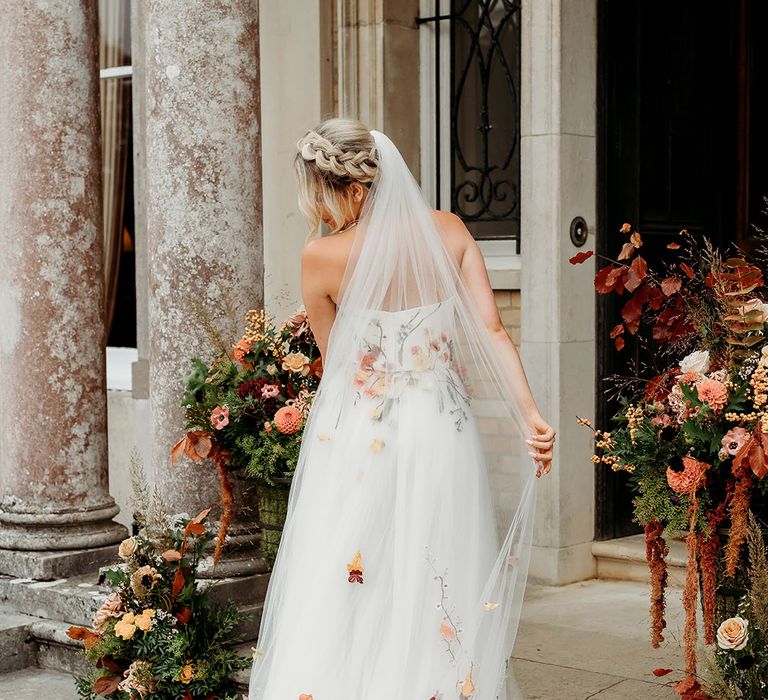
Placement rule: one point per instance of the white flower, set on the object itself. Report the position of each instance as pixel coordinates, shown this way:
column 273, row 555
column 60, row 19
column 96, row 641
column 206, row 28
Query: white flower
column 127, row 548
column 695, row 362
column 732, row 634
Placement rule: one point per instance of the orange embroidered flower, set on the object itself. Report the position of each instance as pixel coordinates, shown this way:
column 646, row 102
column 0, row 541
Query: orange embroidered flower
column 355, row 569
column 690, row 478
column 303, row 696
column 288, row 420
column 712, row 392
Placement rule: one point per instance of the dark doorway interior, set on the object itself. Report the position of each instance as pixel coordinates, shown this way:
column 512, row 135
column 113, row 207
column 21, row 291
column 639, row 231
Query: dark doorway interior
column 680, row 93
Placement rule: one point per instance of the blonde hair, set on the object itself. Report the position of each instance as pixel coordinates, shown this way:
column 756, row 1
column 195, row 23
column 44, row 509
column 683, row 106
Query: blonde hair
column 331, row 157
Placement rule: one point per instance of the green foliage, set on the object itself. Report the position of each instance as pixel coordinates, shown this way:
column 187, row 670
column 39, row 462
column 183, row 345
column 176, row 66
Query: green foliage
column 271, row 455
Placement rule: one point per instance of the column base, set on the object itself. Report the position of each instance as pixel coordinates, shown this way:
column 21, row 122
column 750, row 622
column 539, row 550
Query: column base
column 49, row 565
column 28, row 529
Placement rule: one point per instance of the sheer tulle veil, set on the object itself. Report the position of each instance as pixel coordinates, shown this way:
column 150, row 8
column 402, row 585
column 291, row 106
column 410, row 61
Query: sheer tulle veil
column 399, row 262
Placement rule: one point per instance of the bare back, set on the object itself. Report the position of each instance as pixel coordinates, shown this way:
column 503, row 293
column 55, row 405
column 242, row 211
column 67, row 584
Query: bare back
column 324, row 262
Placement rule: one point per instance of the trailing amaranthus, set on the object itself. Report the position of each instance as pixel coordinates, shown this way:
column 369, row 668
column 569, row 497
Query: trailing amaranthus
column 655, row 552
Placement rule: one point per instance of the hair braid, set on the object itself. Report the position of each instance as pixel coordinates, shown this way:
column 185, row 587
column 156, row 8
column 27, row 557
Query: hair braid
column 360, row 165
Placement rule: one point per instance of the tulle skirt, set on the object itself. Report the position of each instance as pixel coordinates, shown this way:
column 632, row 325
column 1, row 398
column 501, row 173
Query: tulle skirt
column 390, row 541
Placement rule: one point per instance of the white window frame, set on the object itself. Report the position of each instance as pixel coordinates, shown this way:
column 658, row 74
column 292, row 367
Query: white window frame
column 501, row 257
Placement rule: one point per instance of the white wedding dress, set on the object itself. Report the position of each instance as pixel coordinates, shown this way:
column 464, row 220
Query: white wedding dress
column 402, row 566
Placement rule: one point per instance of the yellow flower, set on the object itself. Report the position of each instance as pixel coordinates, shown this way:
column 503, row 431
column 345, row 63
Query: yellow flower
column 144, row 621
column 126, row 626
column 296, row 362
column 186, row 674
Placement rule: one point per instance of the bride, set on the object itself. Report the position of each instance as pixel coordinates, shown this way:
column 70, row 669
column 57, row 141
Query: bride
column 402, row 567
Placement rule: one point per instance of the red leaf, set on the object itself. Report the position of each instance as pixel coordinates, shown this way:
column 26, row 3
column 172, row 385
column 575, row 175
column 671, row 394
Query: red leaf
column 671, row 285
column 184, row 616
column 638, row 271
column 625, row 228
column 673, row 246
column 655, row 298
column 636, row 239
column 617, row 330
column 633, row 310
column 194, row 529
column 581, row 257
column 106, row 685
column 83, row 634
column 610, row 279
column 688, row 270
column 626, row 251
column 685, row 685
column 202, row 515
column 658, row 672
column 109, row 664
column 619, row 343
column 178, row 582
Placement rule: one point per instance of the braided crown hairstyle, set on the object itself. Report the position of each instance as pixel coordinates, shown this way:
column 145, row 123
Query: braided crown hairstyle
column 331, row 157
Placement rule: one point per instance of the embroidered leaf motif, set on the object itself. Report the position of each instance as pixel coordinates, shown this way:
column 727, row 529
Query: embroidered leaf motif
column 355, row 569
column 447, row 631
column 468, row 688
column 490, row 606
column 323, row 437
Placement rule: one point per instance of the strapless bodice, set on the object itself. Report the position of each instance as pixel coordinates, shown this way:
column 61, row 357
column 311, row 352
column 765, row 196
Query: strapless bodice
column 418, row 339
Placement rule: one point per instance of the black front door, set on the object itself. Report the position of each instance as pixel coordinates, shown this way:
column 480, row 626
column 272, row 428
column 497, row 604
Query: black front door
column 680, row 92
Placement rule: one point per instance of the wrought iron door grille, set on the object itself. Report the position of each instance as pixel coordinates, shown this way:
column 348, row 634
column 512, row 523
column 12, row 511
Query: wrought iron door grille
column 484, row 114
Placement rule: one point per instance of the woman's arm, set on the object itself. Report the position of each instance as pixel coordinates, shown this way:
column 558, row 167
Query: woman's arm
column 475, row 276
column 320, row 307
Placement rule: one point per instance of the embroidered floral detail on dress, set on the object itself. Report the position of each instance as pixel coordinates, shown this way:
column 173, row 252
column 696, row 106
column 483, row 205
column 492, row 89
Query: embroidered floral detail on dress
column 468, row 688
column 355, row 569
column 409, row 353
column 377, row 445
column 305, row 697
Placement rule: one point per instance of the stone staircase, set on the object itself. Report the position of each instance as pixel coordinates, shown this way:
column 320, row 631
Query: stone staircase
column 623, row 559
column 34, row 617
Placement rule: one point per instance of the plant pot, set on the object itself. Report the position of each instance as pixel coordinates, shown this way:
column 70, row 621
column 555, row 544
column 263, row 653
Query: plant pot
column 272, row 502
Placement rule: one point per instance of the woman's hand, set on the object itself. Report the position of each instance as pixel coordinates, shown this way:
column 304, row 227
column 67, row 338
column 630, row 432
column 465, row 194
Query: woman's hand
column 542, row 440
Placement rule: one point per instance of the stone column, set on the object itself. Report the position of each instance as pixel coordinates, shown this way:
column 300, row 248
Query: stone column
column 53, row 411
column 203, row 217
column 558, row 151
column 377, row 67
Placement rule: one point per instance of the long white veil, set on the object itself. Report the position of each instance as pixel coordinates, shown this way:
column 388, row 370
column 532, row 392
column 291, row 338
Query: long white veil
column 399, row 261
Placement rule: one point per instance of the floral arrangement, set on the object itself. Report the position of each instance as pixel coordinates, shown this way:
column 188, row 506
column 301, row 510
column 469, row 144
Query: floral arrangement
column 693, row 432
column 742, row 640
column 246, row 411
column 157, row 634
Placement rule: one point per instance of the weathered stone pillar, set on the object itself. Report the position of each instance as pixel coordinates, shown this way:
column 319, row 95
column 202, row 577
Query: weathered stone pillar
column 203, row 198
column 558, row 169
column 53, row 411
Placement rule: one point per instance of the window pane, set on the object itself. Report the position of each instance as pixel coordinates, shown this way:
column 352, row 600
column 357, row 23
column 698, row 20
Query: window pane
column 485, row 116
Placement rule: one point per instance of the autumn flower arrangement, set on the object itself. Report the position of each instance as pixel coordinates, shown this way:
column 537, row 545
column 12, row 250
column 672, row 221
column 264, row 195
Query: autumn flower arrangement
column 246, row 412
column 693, row 432
column 158, row 635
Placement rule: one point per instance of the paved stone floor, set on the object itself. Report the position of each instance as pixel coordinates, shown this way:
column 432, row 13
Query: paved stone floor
column 590, row 640
column 577, row 642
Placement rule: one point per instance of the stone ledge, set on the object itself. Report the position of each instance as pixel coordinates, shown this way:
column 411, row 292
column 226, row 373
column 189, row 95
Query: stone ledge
column 49, row 565
column 623, row 559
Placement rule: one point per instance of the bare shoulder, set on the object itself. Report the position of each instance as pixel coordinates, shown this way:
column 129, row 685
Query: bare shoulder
column 455, row 234
column 326, row 250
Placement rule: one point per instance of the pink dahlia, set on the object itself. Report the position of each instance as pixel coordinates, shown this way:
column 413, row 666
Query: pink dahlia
column 688, row 480
column 734, row 439
column 288, row 420
column 712, row 392
column 220, row 417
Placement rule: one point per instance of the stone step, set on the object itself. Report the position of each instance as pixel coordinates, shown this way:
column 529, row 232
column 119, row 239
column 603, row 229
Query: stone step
column 17, row 649
column 624, row 559
column 35, row 683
